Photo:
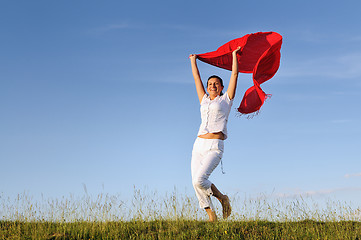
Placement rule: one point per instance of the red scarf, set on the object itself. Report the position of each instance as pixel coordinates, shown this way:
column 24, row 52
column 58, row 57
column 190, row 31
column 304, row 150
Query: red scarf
column 259, row 54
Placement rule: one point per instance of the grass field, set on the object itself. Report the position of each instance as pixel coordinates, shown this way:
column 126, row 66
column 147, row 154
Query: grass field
column 181, row 229
column 173, row 216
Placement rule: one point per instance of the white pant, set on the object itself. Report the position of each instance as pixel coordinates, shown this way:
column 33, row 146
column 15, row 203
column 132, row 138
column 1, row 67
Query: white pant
column 206, row 155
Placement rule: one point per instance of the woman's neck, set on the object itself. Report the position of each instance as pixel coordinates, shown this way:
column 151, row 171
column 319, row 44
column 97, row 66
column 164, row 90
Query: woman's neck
column 212, row 97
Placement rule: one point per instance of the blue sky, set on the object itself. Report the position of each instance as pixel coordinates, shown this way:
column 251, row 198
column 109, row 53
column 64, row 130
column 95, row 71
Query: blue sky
column 100, row 93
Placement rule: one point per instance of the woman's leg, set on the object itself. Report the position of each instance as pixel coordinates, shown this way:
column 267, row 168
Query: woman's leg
column 211, row 214
column 201, row 169
column 202, row 166
column 200, row 180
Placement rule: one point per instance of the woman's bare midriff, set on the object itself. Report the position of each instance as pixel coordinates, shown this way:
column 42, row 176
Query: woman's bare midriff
column 217, row 135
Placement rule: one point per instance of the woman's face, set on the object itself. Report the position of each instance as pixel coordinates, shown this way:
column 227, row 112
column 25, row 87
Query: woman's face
column 214, row 87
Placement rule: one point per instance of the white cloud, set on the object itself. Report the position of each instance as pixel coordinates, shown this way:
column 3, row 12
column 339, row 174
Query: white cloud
column 331, row 65
column 341, row 121
column 353, row 175
column 112, row 27
column 117, row 26
column 311, row 193
column 342, row 66
column 354, row 39
column 194, row 30
column 305, row 35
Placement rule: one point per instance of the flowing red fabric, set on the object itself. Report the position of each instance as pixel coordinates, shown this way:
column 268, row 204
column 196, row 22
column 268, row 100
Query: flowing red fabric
column 259, row 54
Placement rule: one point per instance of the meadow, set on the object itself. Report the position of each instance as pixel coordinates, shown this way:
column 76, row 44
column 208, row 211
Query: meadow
column 149, row 215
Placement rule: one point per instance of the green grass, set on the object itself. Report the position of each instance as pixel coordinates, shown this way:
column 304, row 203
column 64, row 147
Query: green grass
column 181, row 229
column 147, row 215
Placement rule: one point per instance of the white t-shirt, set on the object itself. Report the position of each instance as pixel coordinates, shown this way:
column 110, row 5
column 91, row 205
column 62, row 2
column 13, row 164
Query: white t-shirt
column 214, row 114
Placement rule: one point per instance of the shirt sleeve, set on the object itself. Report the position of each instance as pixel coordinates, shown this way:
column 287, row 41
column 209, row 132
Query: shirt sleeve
column 204, row 97
column 227, row 99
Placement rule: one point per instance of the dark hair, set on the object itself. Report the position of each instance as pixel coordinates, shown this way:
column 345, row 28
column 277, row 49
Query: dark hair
column 220, row 80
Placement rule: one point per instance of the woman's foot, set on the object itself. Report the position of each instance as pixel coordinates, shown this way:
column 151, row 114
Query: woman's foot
column 226, row 206
column 211, row 214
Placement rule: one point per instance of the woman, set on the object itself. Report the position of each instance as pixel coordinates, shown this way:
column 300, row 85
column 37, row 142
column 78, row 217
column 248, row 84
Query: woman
column 208, row 147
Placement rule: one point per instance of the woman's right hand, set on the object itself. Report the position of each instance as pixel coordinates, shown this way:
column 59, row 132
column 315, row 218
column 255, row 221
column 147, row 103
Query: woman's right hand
column 197, row 77
column 192, row 57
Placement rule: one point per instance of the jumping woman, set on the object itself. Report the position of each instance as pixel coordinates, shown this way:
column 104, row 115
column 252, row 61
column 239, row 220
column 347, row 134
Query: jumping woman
column 208, row 147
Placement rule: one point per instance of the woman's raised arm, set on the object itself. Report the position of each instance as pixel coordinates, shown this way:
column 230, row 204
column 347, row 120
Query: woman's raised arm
column 197, row 77
column 233, row 82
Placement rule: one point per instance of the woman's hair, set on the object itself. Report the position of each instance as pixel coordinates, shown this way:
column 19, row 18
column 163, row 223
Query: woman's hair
column 220, row 80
